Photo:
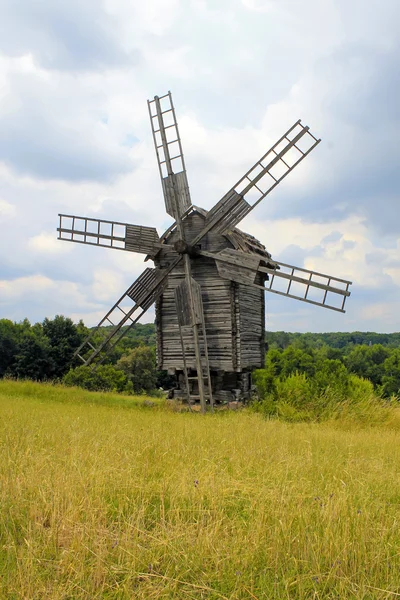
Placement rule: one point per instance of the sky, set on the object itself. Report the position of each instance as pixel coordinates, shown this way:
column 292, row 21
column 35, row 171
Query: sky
column 75, row 138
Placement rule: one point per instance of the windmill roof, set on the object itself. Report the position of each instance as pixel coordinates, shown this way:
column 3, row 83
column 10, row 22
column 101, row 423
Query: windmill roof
column 238, row 238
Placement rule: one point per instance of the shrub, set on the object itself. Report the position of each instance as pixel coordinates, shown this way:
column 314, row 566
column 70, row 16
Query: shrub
column 332, row 393
column 103, row 378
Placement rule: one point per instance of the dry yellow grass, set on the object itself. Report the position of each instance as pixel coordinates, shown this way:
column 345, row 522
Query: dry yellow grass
column 102, row 501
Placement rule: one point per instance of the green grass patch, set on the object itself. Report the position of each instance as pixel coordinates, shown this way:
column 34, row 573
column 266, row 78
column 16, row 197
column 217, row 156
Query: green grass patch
column 97, row 501
column 50, row 392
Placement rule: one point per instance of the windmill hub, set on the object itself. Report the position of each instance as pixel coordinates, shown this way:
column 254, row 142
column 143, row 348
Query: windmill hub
column 182, row 247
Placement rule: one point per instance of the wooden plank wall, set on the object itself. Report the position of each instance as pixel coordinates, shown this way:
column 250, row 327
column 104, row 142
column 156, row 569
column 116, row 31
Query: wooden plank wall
column 252, row 325
column 217, row 313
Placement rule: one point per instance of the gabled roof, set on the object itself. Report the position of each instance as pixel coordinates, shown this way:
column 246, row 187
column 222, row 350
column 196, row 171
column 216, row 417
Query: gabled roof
column 239, row 239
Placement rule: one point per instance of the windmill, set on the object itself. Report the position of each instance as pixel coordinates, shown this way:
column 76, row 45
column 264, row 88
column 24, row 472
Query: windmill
column 209, row 277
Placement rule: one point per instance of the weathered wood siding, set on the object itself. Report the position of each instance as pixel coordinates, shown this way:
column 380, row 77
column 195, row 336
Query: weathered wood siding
column 252, row 325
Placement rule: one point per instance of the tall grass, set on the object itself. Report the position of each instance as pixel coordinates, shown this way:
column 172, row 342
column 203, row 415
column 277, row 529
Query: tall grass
column 98, row 501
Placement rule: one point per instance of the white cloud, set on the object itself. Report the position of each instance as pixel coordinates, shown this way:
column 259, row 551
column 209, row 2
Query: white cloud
column 7, row 210
column 31, row 284
column 48, row 243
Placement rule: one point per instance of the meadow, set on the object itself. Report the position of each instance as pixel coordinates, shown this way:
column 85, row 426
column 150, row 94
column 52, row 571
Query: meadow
column 106, row 496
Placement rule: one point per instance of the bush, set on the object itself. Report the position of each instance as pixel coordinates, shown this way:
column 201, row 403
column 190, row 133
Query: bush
column 332, row 393
column 105, row 378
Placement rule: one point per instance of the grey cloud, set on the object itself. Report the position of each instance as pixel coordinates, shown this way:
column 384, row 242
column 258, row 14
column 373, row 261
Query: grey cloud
column 70, row 35
column 295, row 255
column 359, row 152
column 42, row 134
column 362, row 296
column 119, row 210
column 9, row 271
column 33, row 153
column 235, row 64
column 348, row 245
column 371, row 79
column 333, row 237
column 382, row 259
column 292, row 315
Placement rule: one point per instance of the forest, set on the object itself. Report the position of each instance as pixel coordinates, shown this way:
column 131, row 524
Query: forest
column 44, row 352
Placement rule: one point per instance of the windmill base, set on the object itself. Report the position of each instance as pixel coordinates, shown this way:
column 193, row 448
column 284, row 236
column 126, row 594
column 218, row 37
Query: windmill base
column 226, row 387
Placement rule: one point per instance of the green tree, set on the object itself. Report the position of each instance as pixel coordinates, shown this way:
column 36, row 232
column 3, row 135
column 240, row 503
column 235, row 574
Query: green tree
column 368, row 362
column 33, row 360
column 140, row 368
column 64, row 338
column 297, row 360
column 391, row 377
column 8, row 345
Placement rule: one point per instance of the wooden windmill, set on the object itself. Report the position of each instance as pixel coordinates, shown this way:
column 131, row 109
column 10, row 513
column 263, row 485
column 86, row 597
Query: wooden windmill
column 209, row 278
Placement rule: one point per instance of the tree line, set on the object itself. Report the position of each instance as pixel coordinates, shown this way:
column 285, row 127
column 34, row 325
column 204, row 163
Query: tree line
column 332, row 366
column 44, row 352
column 339, row 339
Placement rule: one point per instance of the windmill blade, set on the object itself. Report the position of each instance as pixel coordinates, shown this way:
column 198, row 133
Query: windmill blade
column 169, row 155
column 235, row 265
column 260, row 180
column 143, row 292
column 308, row 286
column 109, row 234
column 177, row 201
column 283, row 279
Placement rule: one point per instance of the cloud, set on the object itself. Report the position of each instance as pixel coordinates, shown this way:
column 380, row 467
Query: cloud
column 67, row 35
column 49, row 130
column 7, row 210
column 48, row 243
column 355, row 169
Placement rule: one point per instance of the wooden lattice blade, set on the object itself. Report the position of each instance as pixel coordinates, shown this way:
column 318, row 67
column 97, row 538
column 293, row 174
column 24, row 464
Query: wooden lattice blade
column 109, row 234
column 260, row 180
column 142, row 293
column 283, row 279
column 169, row 153
column 308, row 286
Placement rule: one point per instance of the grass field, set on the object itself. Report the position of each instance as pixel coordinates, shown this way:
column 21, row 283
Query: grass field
column 105, row 497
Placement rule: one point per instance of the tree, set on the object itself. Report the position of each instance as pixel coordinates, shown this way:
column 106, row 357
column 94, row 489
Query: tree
column 8, row 345
column 296, row 360
column 368, row 361
column 34, row 360
column 64, row 338
column 391, row 377
column 140, row 368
